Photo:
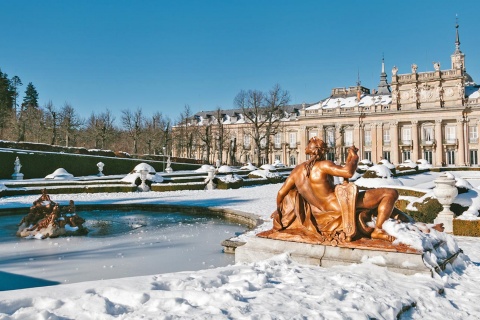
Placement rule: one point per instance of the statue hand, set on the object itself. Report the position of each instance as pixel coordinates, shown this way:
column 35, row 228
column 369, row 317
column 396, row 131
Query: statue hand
column 353, row 150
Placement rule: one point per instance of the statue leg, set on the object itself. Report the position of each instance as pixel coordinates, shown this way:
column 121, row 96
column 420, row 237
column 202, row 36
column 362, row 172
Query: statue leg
column 383, row 199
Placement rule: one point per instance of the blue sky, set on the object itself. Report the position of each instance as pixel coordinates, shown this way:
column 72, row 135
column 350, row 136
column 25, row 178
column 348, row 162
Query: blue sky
column 162, row 55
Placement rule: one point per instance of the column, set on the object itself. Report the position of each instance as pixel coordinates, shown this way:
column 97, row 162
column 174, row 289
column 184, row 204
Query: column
column 395, row 152
column 415, row 141
column 438, row 143
column 461, row 143
column 379, row 141
column 356, row 135
column 338, row 143
column 303, row 136
column 373, row 132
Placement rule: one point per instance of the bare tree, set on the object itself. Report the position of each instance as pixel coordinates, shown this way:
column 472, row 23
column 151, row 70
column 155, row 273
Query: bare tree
column 251, row 103
column 264, row 111
column 134, row 124
column 70, row 122
column 51, row 120
column 275, row 103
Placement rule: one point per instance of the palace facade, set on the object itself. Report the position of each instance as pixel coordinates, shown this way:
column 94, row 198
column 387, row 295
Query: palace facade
column 418, row 115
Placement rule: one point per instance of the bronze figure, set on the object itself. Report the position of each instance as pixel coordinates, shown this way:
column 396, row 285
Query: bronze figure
column 311, row 208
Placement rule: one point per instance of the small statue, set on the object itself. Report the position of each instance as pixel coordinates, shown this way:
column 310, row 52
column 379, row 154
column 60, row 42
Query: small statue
column 436, row 66
column 169, row 169
column 394, row 70
column 414, row 68
column 16, row 170
column 17, row 166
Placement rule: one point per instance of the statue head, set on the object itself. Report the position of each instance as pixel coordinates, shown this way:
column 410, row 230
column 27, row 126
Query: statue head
column 316, row 147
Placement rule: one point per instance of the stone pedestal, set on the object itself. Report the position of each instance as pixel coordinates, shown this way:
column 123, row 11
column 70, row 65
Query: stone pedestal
column 17, row 176
column 257, row 249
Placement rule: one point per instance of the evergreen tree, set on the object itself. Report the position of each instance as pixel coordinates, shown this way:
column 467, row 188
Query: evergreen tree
column 31, row 97
column 6, row 101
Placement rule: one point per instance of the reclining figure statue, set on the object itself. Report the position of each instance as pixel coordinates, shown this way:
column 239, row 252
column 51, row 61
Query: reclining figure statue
column 309, row 205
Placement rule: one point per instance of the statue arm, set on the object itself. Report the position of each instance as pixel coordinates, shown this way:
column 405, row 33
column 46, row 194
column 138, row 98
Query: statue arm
column 346, row 171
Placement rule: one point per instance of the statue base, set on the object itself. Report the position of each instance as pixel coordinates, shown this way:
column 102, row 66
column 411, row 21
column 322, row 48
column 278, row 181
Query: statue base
column 17, row 176
column 401, row 259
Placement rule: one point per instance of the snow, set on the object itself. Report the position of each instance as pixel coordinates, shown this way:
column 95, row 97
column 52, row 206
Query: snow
column 60, row 174
column 152, row 175
column 205, row 168
column 249, row 166
column 277, row 288
column 225, row 169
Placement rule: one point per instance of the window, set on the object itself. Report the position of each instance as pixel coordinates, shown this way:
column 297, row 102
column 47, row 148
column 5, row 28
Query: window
column 406, row 155
column 278, row 140
column 368, row 138
column 428, row 134
column 293, row 160
column 330, row 138
column 427, row 155
column 263, row 160
column 450, row 157
column 386, row 135
column 331, row 156
column 312, row 134
column 474, row 157
column 450, row 135
column 473, row 134
column 407, row 135
column 277, row 157
column 263, row 142
column 386, row 155
column 246, row 141
column 348, row 138
column 293, row 140
column 368, row 155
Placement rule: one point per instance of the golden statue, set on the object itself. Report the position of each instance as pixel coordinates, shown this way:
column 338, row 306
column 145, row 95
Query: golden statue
column 310, row 208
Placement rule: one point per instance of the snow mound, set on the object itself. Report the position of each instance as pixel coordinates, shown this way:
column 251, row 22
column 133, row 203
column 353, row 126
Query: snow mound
column 230, row 178
column 265, row 174
column 152, row 175
column 387, row 164
column 278, row 164
column 205, row 168
column 225, row 169
column 248, row 166
column 378, row 176
column 60, row 174
column 423, row 164
column 268, row 167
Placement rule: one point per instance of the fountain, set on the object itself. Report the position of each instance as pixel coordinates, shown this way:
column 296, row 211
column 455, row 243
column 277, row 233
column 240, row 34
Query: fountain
column 47, row 220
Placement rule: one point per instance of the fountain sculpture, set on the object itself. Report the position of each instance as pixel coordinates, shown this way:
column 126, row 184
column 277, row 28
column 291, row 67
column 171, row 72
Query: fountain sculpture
column 47, row 220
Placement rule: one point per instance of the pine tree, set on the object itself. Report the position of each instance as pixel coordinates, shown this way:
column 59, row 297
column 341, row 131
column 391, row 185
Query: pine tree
column 6, row 101
column 31, row 97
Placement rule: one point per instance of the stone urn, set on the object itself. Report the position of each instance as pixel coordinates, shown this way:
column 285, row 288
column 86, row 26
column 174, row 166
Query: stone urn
column 143, row 187
column 445, row 192
column 100, row 166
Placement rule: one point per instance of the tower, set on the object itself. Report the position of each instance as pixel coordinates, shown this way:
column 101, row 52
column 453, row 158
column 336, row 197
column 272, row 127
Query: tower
column 458, row 57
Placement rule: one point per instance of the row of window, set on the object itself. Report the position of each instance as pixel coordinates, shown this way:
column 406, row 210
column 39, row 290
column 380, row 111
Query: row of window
column 406, row 136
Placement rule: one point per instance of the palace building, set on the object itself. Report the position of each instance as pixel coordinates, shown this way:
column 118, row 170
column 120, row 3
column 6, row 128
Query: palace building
column 418, row 115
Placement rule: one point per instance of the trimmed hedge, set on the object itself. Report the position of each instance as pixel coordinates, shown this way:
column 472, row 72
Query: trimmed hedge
column 469, row 228
column 40, row 164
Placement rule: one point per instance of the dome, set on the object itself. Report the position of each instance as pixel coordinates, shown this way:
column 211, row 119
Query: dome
column 469, row 80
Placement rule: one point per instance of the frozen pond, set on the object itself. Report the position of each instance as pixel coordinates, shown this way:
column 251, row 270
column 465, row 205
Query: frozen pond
column 119, row 244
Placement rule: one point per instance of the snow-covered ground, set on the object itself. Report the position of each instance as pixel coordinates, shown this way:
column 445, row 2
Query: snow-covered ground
column 272, row 289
